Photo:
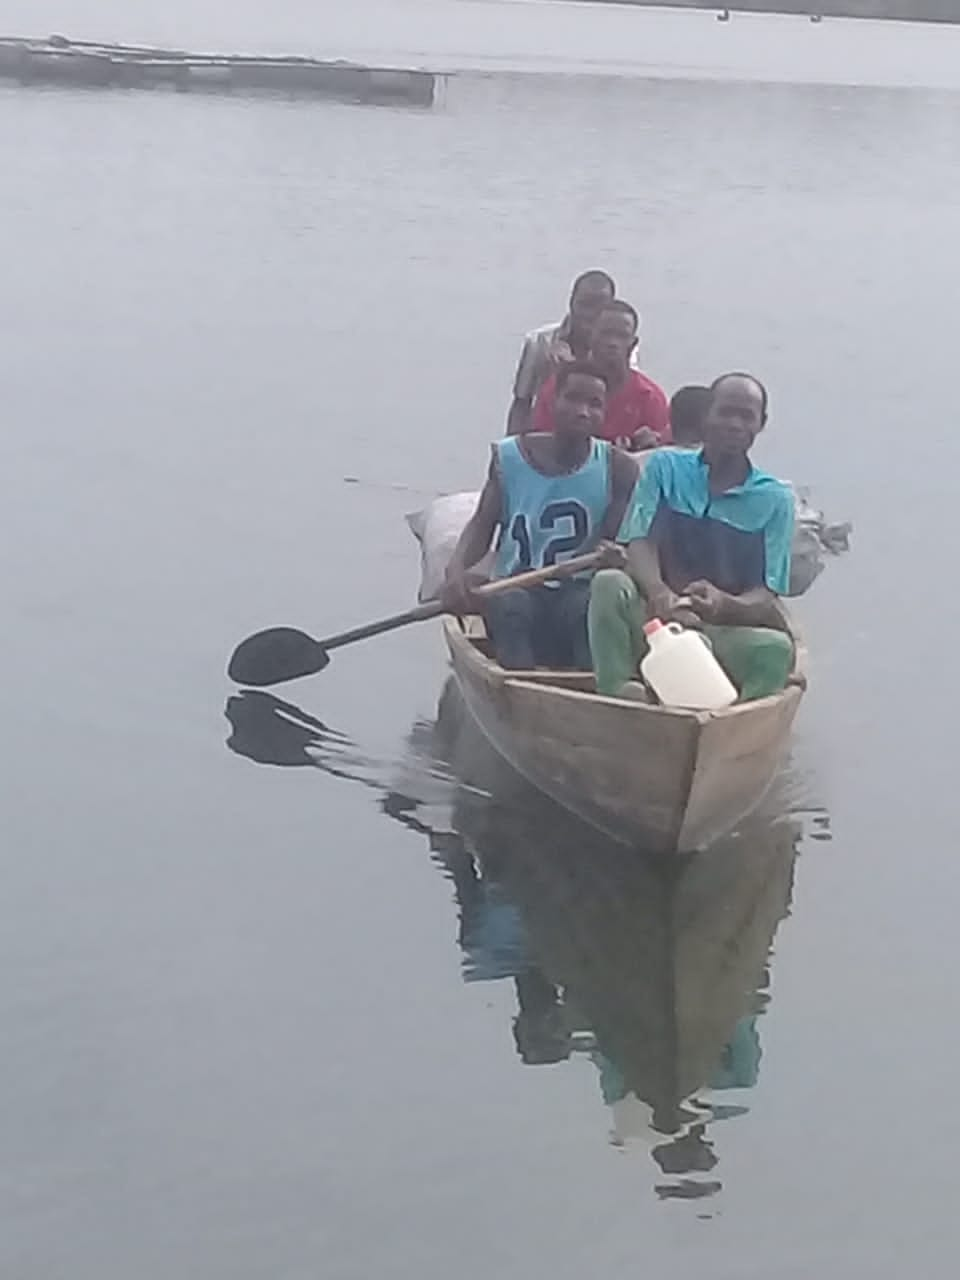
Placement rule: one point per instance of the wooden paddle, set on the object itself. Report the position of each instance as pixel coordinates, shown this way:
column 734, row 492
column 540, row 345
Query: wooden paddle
column 283, row 653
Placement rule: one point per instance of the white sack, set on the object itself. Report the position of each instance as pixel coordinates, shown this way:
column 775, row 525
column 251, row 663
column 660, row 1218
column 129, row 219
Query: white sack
column 437, row 528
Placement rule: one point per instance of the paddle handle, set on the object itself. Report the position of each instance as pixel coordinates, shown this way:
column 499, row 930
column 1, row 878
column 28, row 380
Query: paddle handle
column 536, row 577
column 434, row 608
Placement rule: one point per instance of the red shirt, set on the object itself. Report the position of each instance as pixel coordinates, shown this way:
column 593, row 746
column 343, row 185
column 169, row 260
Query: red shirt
column 638, row 403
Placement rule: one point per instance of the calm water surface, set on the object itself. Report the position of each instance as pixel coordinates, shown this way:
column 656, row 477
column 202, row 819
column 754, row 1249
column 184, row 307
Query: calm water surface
column 382, row 1014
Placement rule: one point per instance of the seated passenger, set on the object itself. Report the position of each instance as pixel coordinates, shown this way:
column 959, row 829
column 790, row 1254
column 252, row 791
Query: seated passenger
column 552, row 497
column 708, row 545
column 637, row 414
column 688, row 408
column 546, row 348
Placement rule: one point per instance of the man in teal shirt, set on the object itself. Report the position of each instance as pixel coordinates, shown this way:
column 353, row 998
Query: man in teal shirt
column 708, row 539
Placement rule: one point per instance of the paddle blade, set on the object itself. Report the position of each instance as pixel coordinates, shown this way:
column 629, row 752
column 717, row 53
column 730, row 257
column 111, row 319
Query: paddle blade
column 270, row 657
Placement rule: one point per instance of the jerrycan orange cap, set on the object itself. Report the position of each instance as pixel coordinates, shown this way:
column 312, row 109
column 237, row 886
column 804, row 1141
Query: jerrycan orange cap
column 654, row 625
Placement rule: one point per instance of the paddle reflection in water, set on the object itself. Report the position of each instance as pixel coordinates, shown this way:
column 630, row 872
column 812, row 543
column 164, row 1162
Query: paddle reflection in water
column 268, row 730
column 657, row 972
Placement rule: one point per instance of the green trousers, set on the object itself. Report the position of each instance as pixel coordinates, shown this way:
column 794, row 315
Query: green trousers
column 757, row 659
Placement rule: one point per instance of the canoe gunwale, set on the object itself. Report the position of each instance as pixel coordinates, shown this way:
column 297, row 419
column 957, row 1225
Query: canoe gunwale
column 495, row 674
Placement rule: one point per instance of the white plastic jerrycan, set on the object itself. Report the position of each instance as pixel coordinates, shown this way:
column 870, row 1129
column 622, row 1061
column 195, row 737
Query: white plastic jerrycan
column 682, row 671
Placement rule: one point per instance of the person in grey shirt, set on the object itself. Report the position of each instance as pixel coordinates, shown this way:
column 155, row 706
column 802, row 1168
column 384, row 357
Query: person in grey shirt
column 552, row 344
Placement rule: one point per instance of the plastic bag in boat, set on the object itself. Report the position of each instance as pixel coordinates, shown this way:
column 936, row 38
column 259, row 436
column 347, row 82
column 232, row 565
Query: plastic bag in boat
column 813, row 539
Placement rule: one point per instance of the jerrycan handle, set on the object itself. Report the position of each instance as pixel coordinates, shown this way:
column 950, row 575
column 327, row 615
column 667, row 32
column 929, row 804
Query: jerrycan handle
column 677, row 630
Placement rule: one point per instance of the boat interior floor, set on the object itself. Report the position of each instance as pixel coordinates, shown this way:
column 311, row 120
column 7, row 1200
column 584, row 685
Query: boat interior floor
column 583, row 681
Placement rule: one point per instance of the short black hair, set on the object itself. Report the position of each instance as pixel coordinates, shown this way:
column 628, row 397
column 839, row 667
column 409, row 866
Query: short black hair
column 688, row 408
column 587, row 277
column 717, row 383
column 584, row 367
column 626, row 309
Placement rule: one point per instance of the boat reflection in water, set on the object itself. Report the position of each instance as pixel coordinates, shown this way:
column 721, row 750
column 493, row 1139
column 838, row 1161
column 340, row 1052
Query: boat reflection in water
column 656, row 971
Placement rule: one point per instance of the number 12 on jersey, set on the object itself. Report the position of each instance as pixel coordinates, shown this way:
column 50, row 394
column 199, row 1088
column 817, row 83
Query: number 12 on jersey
column 548, row 550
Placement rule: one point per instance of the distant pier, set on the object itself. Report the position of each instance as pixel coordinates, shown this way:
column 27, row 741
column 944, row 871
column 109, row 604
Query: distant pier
column 57, row 60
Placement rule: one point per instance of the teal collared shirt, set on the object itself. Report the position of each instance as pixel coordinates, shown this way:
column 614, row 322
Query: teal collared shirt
column 738, row 539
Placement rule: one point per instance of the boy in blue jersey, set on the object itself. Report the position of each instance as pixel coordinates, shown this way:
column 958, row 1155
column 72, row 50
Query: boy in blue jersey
column 552, row 497
column 708, row 545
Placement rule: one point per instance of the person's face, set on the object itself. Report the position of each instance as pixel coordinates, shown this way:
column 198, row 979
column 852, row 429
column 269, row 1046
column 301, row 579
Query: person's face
column 734, row 418
column 579, row 407
column 613, row 340
column 587, row 301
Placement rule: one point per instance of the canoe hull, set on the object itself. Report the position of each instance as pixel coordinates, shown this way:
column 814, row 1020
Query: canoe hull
column 658, row 779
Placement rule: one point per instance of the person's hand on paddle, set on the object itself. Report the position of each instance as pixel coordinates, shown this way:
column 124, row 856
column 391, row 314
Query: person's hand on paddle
column 611, row 555
column 706, row 600
column 457, row 593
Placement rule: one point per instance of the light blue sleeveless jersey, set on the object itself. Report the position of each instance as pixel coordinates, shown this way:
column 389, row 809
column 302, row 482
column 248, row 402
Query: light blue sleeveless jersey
column 547, row 519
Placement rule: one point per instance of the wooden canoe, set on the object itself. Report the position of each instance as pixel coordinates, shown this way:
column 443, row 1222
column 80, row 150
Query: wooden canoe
column 652, row 777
